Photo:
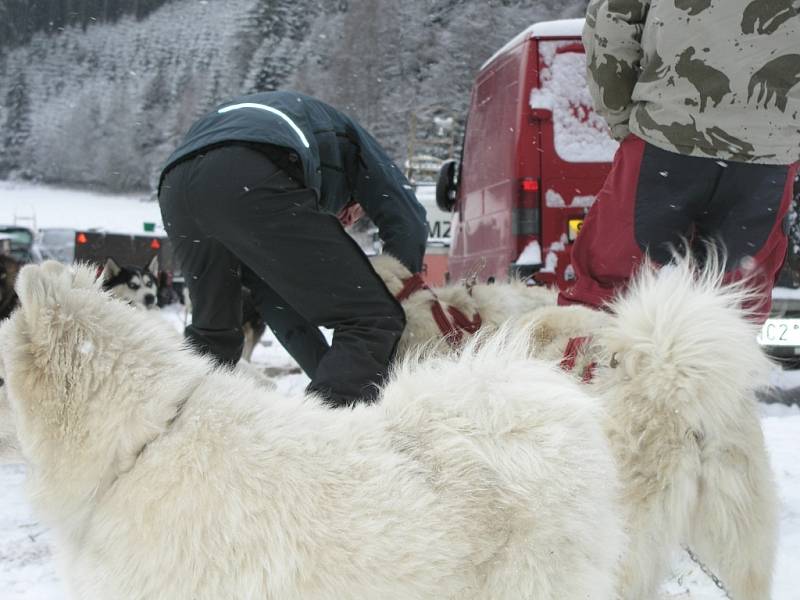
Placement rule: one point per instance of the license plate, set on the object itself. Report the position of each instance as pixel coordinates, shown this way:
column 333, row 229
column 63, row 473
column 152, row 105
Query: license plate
column 574, row 228
column 780, row 332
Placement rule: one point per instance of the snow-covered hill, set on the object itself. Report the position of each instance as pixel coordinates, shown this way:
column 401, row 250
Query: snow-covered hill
column 90, row 102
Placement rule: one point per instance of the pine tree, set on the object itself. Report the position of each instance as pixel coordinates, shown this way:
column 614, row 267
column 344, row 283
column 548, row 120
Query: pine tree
column 14, row 155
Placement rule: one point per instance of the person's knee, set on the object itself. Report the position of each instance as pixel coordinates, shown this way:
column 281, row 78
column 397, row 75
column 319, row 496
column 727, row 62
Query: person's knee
column 386, row 322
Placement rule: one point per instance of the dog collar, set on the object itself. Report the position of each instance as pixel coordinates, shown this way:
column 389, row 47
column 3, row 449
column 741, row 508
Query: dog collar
column 453, row 323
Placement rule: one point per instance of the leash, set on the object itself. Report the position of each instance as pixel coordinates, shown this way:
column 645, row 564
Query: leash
column 708, row 572
column 452, row 327
column 574, row 346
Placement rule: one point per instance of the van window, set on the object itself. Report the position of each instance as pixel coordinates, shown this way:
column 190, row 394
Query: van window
column 491, row 136
column 581, row 135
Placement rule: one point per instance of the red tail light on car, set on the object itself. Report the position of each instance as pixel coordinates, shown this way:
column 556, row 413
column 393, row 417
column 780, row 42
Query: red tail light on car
column 525, row 217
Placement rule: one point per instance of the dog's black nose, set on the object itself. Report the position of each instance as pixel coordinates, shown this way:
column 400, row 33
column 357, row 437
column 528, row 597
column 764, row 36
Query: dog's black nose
column 149, row 300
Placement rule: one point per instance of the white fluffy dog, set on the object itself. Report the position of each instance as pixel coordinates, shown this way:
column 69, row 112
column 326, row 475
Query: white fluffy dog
column 677, row 366
column 486, row 476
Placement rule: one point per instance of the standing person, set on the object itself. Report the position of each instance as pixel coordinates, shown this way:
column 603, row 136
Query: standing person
column 705, row 97
column 253, row 191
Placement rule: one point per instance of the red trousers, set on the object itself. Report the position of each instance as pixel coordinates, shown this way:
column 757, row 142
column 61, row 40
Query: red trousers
column 656, row 202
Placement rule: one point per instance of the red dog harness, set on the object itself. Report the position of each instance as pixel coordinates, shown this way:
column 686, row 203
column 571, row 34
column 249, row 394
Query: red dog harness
column 575, row 345
column 453, row 326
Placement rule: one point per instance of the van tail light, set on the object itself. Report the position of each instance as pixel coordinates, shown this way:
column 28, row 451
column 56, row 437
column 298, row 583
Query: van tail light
column 155, row 244
column 81, row 238
column 526, row 222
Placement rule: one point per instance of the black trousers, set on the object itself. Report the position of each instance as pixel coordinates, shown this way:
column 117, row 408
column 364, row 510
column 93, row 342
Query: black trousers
column 232, row 208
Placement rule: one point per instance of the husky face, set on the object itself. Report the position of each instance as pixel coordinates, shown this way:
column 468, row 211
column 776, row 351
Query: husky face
column 137, row 286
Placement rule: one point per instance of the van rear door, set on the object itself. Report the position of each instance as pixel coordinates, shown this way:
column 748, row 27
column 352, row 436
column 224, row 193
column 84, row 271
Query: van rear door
column 576, row 147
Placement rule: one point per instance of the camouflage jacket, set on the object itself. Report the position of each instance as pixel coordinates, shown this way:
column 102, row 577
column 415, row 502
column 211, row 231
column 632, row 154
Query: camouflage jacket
column 714, row 78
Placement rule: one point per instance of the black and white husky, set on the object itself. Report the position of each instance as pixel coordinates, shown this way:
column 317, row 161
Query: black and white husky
column 135, row 285
column 139, row 286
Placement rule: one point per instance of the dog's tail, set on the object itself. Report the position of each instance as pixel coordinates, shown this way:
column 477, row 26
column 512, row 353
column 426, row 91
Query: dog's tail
column 684, row 424
column 685, row 333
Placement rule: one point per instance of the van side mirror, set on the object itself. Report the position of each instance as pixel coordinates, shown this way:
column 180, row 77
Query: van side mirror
column 446, row 186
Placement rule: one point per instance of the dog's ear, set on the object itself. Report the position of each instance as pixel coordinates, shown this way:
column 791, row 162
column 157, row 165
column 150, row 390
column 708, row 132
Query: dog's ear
column 110, row 270
column 152, row 266
column 50, row 282
column 53, row 347
column 41, row 285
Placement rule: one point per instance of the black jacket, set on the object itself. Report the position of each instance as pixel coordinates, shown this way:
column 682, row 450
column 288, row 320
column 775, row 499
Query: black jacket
column 336, row 157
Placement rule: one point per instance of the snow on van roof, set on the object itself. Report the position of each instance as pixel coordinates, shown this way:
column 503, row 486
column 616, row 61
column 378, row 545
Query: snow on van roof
column 560, row 28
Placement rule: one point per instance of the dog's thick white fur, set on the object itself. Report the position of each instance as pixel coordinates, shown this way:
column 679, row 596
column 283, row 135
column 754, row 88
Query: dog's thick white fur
column 680, row 414
column 486, row 476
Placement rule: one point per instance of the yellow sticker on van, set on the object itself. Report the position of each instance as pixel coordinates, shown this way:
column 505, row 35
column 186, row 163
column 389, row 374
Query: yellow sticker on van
column 574, row 228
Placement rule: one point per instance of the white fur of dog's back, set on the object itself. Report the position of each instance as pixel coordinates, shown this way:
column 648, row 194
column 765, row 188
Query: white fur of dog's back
column 482, row 476
column 684, row 427
column 512, row 433
column 505, row 491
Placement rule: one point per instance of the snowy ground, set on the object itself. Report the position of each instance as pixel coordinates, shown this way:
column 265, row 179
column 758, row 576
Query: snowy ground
column 27, row 564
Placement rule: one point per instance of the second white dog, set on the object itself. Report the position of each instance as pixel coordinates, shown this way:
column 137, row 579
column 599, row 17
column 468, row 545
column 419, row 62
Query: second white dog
column 675, row 366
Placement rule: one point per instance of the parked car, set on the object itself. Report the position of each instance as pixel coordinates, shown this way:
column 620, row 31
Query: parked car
column 5, row 245
column 57, row 243
column 780, row 335
column 22, row 243
column 535, row 155
column 434, row 264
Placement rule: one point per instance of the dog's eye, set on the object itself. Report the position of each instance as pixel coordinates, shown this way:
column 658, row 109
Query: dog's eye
column 134, row 286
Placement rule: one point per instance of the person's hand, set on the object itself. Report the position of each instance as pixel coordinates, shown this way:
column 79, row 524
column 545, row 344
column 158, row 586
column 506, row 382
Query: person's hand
column 620, row 131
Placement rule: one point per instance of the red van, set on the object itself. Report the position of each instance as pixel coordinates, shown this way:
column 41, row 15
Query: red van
column 535, row 155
